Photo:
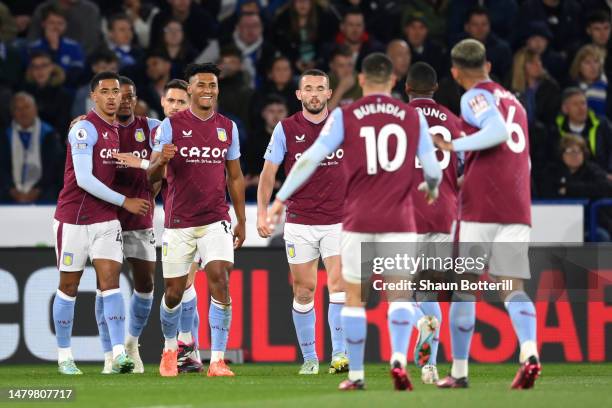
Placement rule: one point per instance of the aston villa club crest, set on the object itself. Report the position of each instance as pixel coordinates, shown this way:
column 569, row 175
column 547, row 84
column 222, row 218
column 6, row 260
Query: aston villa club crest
column 68, row 258
column 291, row 250
column 139, row 135
column 221, row 135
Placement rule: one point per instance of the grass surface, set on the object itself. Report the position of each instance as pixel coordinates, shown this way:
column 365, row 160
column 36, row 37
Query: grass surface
column 269, row 385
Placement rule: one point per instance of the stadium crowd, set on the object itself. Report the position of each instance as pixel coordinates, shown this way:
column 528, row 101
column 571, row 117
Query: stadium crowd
column 553, row 54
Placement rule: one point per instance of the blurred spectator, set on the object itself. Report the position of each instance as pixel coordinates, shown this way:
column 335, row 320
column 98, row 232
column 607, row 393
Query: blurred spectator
column 354, row 36
column 537, row 39
column 44, row 81
column 501, row 14
column 477, row 26
column 234, row 91
column 8, row 27
column 142, row 109
column 228, row 23
column 11, row 69
column 120, row 39
column 158, row 66
column 343, row 78
column 274, row 109
column 538, row 92
column 199, row 26
column 433, row 14
column 22, row 12
column 563, row 18
column 300, row 30
column 598, row 29
column 399, row 53
column 587, row 73
column 65, row 52
column 574, row 176
column 103, row 60
column 180, row 51
column 382, row 17
column 576, row 118
column 31, row 156
column 256, row 53
column 416, row 34
column 82, row 22
column 449, row 94
column 280, row 82
column 141, row 15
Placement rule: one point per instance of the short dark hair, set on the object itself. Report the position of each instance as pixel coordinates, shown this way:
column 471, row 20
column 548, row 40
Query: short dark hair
column 123, row 80
column 249, row 14
column 571, row 91
column 377, row 67
column 103, row 55
column 598, row 16
column 101, row 76
column 421, row 78
column 117, row 17
column 40, row 54
column 272, row 99
column 206, row 68
column 477, row 11
column 469, row 54
column 353, row 11
column 277, row 57
column 158, row 53
column 230, row 51
column 342, row 50
column 52, row 9
column 313, row 72
column 176, row 84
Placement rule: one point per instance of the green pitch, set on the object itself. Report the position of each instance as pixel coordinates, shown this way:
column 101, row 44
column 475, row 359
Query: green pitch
column 268, row 385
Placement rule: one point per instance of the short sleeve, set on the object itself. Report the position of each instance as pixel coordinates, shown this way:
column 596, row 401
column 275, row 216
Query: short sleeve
column 163, row 135
column 233, row 152
column 153, row 124
column 83, row 137
column 477, row 105
column 277, row 147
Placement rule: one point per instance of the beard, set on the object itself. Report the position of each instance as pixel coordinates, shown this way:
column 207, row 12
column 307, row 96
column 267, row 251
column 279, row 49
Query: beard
column 123, row 118
column 314, row 109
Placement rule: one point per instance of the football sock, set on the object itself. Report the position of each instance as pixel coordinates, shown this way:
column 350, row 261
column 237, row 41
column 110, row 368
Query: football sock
column 400, row 317
column 114, row 314
column 140, row 308
column 102, row 327
column 336, row 302
column 462, row 318
column 523, row 315
column 220, row 319
column 354, row 327
column 304, row 320
column 170, row 318
column 63, row 317
column 189, row 304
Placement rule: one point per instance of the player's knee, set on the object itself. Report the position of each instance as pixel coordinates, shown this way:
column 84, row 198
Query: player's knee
column 69, row 288
column 144, row 285
column 173, row 296
column 335, row 284
column 303, row 294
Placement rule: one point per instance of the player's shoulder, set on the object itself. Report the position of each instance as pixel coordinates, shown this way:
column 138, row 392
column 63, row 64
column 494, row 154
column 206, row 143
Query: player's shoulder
column 84, row 129
column 221, row 119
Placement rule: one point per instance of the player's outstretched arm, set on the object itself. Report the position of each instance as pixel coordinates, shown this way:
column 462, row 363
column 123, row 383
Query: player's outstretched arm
column 267, row 178
column 235, row 186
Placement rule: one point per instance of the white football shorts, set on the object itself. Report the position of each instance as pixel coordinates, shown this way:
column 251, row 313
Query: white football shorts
column 75, row 243
column 303, row 243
